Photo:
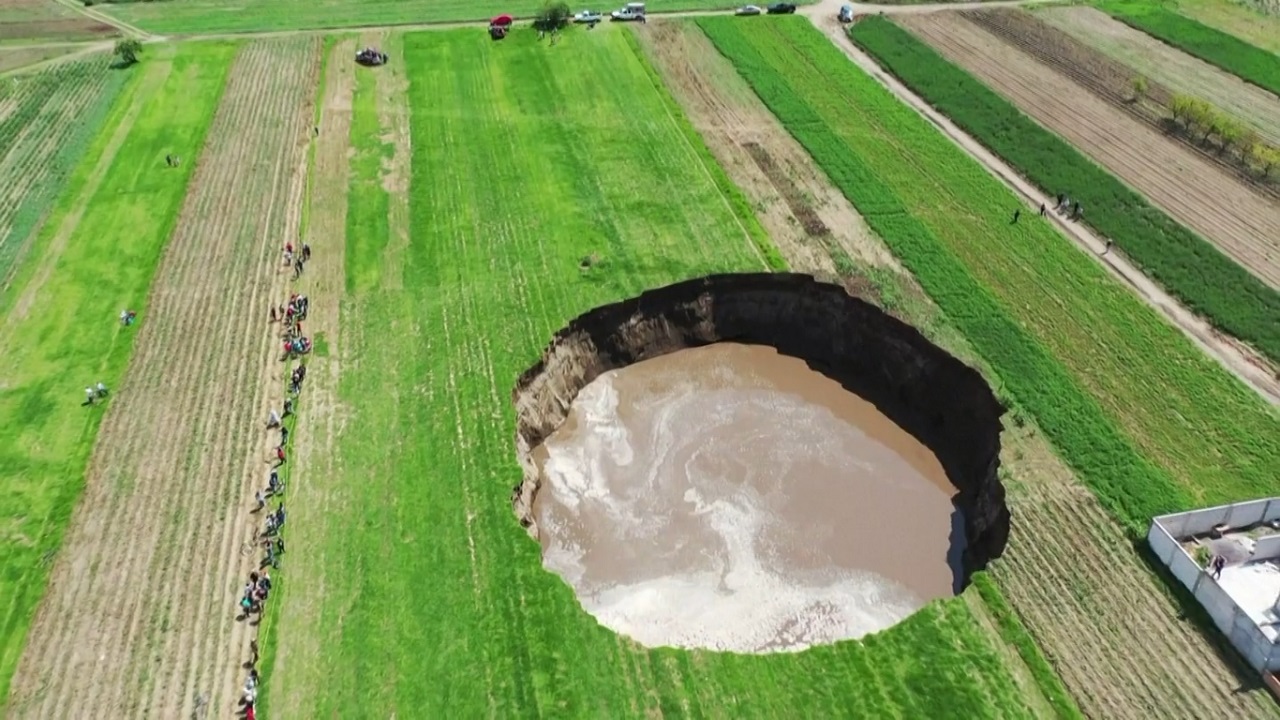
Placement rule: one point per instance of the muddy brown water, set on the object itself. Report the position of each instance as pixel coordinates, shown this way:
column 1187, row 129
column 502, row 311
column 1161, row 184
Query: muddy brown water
column 731, row 498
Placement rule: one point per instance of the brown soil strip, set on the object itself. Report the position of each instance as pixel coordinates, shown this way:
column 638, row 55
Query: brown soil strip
column 1110, row 80
column 1242, row 223
column 792, row 197
column 1170, row 66
column 302, row 635
column 138, row 619
column 808, row 217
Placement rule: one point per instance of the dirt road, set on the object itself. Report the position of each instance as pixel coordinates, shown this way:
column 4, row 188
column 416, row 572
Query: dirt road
column 138, row 616
column 1239, row 221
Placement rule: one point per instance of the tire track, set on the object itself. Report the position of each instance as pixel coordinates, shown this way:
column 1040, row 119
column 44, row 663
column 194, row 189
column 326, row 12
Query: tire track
column 1243, row 224
column 193, row 382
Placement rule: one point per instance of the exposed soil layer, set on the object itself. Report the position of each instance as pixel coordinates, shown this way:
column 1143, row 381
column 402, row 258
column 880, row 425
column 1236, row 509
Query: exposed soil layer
column 728, row 497
column 944, row 404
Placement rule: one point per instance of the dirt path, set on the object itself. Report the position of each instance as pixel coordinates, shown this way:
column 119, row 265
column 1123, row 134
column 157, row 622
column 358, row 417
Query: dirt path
column 1236, row 357
column 138, row 615
column 1242, row 223
column 1166, row 64
column 303, row 633
column 122, row 26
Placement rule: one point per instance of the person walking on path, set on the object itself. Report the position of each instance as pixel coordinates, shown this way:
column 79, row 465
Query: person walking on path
column 262, row 501
column 288, row 407
column 306, row 252
column 273, row 419
column 1107, row 249
column 101, row 390
column 88, row 396
column 1042, row 209
column 253, row 652
column 1016, row 214
column 1075, row 211
column 280, row 458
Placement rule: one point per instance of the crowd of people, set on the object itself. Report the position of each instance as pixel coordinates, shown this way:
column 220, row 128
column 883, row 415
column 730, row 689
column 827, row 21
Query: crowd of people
column 270, row 539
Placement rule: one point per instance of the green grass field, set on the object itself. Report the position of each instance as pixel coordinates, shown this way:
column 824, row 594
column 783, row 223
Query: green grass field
column 1143, row 417
column 60, row 328
column 1253, row 64
column 53, row 117
column 434, row 600
column 1206, row 281
column 231, row 16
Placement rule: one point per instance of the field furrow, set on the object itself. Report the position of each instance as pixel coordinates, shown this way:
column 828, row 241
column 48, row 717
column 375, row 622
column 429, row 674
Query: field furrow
column 55, row 114
column 150, row 631
column 1112, row 81
column 1239, row 221
column 1170, row 66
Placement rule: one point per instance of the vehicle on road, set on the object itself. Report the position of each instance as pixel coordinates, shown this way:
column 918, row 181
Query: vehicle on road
column 371, row 57
column 633, row 11
column 588, row 16
column 846, row 14
column 748, row 10
column 782, row 9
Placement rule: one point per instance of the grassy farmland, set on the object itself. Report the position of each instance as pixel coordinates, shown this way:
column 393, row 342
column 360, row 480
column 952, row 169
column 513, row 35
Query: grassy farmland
column 1140, row 415
column 1206, row 280
column 51, row 118
column 429, row 352
column 1228, row 52
column 61, row 323
column 224, row 16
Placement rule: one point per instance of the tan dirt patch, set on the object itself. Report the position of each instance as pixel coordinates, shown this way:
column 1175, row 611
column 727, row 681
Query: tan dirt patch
column 1242, row 223
column 302, row 636
column 138, row 619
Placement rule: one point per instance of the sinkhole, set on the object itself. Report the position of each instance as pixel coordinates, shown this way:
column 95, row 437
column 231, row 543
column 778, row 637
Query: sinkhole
column 756, row 463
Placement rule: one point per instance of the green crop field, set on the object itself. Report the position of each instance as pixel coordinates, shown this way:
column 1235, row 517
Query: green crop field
column 424, row 593
column 50, row 350
column 229, row 16
column 51, row 118
column 1144, row 418
column 1258, row 66
column 1208, row 282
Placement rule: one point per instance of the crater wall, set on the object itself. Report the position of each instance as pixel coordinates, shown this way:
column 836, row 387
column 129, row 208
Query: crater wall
column 942, row 402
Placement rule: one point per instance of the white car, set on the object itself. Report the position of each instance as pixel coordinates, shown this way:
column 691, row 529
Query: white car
column 748, row 10
column 633, row 11
column 588, row 16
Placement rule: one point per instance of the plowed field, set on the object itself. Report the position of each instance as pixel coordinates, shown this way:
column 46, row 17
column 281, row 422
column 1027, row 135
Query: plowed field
column 1111, row 80
column 139, row 615
column 1242, row 223
column 1168, row 65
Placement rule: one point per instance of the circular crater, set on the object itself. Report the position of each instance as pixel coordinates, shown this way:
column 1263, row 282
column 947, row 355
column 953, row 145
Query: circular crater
column 756, row 463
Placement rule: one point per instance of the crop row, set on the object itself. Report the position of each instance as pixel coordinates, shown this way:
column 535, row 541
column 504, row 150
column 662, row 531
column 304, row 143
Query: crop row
column 1125, row 398
column 55, row 137
column 1238, row 149
column 1228, row 52
column 1190, row 268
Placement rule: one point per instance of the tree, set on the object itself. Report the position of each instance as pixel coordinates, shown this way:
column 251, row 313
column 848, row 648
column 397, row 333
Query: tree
column 554, row 15
column 1139, row 87
column 1229, row 131
column 127, row 50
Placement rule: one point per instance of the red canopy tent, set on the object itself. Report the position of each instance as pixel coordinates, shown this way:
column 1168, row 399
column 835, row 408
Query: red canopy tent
column 502, row 21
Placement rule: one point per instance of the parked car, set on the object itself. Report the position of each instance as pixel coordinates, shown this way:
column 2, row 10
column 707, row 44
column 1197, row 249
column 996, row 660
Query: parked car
column 588, row 16
column 633, row 11
column 782, row 9
column 748, row 10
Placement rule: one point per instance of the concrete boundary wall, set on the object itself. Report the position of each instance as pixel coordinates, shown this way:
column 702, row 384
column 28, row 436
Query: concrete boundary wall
column 1164, row 537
